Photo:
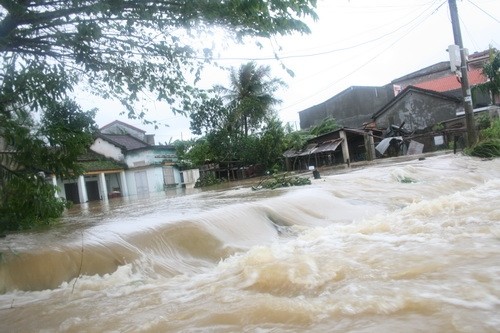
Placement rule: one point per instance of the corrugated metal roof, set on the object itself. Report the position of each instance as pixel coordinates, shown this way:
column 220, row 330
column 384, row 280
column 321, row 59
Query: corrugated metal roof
column 314, row 148
column 328, row 146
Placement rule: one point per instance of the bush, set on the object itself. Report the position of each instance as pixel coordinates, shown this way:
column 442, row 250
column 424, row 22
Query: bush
column 282, row 181
column 28, row 202
column 486, row 149
column 492, row 132
column 489, row 142
column 208, row 179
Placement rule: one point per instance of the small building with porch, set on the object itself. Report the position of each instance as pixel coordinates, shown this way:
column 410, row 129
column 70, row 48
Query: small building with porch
column 342, row 146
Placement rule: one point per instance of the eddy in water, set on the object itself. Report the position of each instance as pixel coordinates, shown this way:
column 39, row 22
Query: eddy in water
column 408, row 247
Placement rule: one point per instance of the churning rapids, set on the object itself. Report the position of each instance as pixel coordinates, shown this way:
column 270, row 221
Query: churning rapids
column 406, row 247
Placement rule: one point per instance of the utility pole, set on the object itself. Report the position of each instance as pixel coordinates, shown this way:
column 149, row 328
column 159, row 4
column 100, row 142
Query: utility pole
column 467, row 98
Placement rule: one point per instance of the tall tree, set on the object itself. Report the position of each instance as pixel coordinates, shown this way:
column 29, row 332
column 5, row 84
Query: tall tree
column 121, row 48
column 491, row 70
column 251, row 94
column 115, row 48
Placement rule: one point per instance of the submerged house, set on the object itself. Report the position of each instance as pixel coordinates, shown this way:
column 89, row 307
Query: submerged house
column 342, row 146
column 124, row 161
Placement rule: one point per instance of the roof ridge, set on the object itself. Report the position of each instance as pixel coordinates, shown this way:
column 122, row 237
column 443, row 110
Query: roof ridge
column 121, row 123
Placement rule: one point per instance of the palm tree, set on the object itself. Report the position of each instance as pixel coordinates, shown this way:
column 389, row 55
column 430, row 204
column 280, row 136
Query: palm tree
column 251, row 94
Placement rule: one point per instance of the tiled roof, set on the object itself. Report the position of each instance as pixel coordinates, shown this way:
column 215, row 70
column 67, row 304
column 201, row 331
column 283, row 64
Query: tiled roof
column 450, row 83
column 125, row 141
column 121, row 123
column 92, row 161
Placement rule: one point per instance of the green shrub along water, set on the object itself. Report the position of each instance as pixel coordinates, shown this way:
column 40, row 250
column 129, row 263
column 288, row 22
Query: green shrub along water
column 489, row 142
column 208, row 179
column 283, row 180
column 29, row 203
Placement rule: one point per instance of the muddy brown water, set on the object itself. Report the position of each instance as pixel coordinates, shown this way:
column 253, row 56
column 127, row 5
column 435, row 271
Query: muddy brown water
column 405, row 247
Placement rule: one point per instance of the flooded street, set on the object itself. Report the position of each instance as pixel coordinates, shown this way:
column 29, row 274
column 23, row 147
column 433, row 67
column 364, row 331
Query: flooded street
column 407, row 247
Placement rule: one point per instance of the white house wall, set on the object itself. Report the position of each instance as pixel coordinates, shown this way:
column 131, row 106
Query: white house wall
column 154, row 178
column 61, row 192
column 146, row 157
column 190, row 177
column 107, row 149
column 140, row 158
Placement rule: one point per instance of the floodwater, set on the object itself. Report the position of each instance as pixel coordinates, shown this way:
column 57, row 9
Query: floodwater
column 406, row 247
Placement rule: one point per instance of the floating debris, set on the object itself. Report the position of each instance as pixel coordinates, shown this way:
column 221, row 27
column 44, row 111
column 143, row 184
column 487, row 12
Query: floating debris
column 282, row 181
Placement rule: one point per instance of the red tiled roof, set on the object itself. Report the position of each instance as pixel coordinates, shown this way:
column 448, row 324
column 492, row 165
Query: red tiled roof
column 451, row 82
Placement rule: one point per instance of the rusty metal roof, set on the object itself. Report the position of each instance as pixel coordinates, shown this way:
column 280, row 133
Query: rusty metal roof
column 314, row 148
column 328, row 146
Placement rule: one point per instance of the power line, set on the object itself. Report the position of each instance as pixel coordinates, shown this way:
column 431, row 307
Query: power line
column 496, row 20
column 374, row 57
column 329, row 51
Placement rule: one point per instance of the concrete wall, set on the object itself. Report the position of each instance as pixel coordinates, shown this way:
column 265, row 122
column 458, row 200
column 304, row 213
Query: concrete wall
column 350, row 108
column 418, row 111
column 154, row 179
column 107, row 149
column 149, row 156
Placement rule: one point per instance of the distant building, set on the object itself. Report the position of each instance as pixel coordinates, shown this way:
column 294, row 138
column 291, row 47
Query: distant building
column 351, row 108
column 355, row 106
column 440, row 78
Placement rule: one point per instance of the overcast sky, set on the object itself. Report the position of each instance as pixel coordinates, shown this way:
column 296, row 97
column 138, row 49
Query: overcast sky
column 354, row 43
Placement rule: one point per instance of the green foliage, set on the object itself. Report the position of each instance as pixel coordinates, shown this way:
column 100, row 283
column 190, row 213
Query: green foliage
column 438, row 127
column 250, row 96
column 296, row 140
column 226, row 125
column 210, row 115
column 483, row 121
column 29, row 147
column 121, row 49
column 264, row 149
column 116, row 49
column 208, row 179
column 52, row 145
column 489, row 142
column 28, row 202
column 485, row 149
column 200, row 152
column 491, row 70
column 283, row 180
column 407, row 180
column 492, row 132
column 271, row 145
column 326, row 126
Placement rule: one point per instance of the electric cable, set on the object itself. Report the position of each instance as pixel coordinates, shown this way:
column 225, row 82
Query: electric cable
column 370, row 60
column 485, row 12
